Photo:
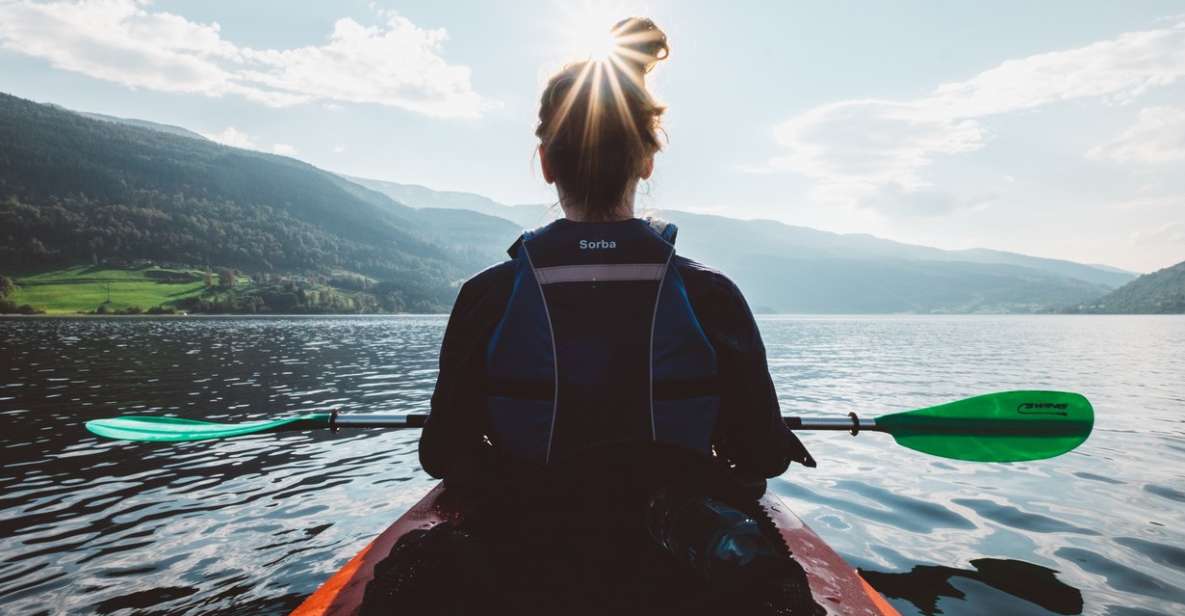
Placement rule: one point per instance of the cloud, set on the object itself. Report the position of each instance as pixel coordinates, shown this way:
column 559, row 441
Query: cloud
column 1167, row 200
column 238, row 139
column 857, row 150
column 894, row 199
column 1119, row 69
column 1158, row 136
column 871, row 141
column 233, row 137
column 396, row 64
column 338, row 149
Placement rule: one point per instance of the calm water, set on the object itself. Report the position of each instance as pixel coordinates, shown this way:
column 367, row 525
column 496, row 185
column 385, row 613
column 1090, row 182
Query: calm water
column 251, row 525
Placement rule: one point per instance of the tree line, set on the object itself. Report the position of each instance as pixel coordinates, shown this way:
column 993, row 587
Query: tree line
column 78, row 190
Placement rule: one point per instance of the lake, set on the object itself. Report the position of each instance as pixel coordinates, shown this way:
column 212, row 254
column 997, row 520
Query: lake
column 252, row 525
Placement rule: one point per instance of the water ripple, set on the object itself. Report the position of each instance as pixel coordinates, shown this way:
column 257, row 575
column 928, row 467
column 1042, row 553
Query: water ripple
column 252, row 525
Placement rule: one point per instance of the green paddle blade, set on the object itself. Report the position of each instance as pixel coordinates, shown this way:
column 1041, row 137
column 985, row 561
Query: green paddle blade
column 1010, row 426
column 169, row 429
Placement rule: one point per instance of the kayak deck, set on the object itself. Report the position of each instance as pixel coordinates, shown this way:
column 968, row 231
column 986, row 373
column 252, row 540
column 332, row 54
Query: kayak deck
column 834, row 583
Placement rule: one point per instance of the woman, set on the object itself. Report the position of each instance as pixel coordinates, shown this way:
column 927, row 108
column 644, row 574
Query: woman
column 596, row 333
column 616, row 387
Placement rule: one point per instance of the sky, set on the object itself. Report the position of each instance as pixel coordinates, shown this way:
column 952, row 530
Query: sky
column 1054, row 129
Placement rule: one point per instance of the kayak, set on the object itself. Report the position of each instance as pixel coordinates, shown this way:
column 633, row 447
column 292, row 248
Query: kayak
column 834, row 583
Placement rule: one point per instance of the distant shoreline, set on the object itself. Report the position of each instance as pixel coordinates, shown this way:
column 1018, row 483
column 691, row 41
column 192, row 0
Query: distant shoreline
column 378, row 315
column 203, row 315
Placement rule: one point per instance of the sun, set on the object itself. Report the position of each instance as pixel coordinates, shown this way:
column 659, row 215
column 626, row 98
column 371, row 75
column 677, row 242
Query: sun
column 584, row 29
column 596, row 36
column 597, row 44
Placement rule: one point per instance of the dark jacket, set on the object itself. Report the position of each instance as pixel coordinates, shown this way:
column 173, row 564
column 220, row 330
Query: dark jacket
column 750, row 433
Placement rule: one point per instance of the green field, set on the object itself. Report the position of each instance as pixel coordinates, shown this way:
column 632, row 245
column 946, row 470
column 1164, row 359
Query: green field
column 83, row 288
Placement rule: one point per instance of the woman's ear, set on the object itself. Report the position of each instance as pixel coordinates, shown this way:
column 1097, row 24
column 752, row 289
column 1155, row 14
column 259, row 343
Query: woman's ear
column 647, row 168
column 548, row 176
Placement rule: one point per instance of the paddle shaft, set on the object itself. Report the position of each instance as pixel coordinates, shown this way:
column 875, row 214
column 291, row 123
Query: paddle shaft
column 851, row 423
column 410, row 420
column 416, row 420
column 845, row 424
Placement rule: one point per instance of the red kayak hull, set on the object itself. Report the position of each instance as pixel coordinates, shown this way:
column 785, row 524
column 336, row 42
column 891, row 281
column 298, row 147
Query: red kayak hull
column 834, row 583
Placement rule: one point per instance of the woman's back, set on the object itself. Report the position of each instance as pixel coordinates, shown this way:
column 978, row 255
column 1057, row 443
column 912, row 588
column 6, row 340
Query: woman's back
column 598, row 334
column 598, row 346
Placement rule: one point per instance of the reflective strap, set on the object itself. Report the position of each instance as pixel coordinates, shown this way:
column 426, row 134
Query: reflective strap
column 611, row 272
column 555, row 356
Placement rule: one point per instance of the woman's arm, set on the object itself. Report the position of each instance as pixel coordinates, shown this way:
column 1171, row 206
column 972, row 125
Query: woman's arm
column 750, row 432
column 453, row 439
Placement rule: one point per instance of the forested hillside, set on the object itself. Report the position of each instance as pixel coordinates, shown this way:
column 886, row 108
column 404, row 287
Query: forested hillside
column 80, row 190
column 1161, row 292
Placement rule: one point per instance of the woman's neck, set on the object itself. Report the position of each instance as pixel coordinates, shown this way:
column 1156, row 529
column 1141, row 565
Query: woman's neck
column 578, row 212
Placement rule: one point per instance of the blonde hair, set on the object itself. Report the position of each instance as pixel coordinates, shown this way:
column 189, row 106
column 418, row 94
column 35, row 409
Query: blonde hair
column 598, row 123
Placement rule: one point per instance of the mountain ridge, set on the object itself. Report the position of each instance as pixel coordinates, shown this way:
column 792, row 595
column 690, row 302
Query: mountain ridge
column 76, row 189
column 418, row 196
column 853, row 244
column 1159, row 292
column 787, row 268
column 530, row 216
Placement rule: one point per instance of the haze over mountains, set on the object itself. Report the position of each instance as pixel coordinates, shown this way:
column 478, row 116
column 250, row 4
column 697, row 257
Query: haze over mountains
column 784, row 268
column 76, row 188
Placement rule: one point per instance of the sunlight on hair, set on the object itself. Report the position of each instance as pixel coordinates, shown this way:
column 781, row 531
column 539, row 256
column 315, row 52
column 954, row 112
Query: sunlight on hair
column 619, row 101
column 570, row 99
column 607, row 52
column 593, row 117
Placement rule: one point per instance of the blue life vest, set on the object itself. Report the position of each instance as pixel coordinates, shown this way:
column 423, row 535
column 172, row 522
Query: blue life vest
column 599, row 345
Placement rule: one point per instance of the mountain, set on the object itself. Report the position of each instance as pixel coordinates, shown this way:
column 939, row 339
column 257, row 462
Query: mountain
column 1109, row 268
column 717, row 236
column 525, row 216
column 1097, row 274
column 1161, row 292
column 479, row 238
column 785, row 268
column 164, row 128
column 468, row 237
column 75, row 189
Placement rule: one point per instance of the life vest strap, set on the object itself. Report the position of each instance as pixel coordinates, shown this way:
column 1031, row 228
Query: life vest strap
column 601, row 272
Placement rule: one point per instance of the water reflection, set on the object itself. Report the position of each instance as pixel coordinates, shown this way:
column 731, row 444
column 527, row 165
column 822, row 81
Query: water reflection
column 251, row 525
column 925, row 585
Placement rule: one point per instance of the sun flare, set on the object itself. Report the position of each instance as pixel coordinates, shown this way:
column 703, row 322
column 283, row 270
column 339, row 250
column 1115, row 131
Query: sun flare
column 595, row 43
column 604, row 47
column 585, row 30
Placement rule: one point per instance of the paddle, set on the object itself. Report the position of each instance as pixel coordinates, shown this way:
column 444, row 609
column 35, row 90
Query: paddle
column 1008, row 426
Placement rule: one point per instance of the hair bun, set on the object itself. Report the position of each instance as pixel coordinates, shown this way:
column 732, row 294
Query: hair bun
column 642, row 44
